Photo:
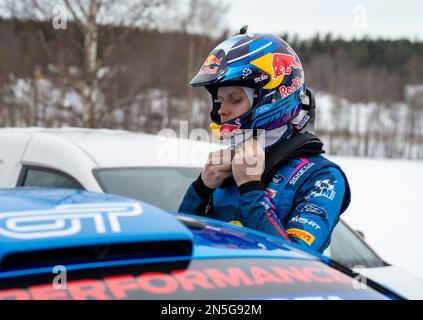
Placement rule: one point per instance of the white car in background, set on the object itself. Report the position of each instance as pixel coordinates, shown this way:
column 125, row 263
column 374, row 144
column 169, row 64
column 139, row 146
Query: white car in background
column 154, row 169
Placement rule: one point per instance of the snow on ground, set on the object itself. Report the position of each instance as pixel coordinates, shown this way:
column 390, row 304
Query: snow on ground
column 387, row 206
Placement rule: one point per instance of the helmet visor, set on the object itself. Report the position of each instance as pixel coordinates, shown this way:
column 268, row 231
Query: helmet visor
column 213, row 68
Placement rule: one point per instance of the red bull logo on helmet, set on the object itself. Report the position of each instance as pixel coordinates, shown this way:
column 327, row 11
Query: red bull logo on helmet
column 211, row 65
column 212, row 59
column 287, row 90
column 282, row 64
column 277, row 66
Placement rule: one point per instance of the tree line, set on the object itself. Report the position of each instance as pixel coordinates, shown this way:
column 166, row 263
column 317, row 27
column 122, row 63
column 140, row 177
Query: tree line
column 134, row 76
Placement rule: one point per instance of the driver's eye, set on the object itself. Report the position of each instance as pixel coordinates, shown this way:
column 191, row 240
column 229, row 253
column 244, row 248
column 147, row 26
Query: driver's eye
column 230, row 100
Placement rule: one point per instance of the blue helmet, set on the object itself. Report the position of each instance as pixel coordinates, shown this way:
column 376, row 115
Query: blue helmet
column 264, row 62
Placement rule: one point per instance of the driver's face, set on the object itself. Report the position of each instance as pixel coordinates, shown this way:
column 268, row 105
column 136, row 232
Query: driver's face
column 234, row 102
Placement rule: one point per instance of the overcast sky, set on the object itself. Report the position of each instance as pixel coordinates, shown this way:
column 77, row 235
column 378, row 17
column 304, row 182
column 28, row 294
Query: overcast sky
column 348, row 18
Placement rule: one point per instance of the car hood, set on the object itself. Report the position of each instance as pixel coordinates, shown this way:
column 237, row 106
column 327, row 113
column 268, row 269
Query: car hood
column 39, row 221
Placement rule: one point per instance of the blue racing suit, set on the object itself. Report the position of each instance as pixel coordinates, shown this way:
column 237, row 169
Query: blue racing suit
column 302, row 203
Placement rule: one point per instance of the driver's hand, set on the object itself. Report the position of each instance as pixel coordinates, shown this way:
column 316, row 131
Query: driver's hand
column 217, row 168
column 248, row 162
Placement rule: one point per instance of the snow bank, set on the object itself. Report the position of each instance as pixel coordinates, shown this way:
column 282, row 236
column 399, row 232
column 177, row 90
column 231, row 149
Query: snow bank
column 387, row 206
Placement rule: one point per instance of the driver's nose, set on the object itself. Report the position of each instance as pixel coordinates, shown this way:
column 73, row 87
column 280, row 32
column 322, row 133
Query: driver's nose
column 224, row 112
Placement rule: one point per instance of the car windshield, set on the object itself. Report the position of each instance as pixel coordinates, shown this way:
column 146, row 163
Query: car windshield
column 349, row 249
column 162, row 187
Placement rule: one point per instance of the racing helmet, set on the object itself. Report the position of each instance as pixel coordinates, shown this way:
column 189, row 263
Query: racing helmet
column 264, row 62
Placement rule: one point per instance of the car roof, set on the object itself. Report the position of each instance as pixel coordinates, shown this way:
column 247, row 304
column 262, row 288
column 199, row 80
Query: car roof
column 119, row 148
column 40, row 220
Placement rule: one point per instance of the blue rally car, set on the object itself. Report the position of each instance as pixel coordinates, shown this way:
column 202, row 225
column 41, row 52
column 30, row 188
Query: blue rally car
column 73, row 244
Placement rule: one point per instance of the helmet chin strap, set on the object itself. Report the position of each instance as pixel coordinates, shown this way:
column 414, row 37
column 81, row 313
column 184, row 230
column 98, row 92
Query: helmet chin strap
column 266, row 138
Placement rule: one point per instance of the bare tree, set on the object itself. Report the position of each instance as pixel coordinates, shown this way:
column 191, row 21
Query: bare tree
column 87, row 16
column 202, row 17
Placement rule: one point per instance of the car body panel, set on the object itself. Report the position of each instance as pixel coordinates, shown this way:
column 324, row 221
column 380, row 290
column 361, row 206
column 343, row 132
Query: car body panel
column 13, row 145
column 41, row 207
column 52, row 151
column 67, row 148
column 250, row 254
column 106, row 219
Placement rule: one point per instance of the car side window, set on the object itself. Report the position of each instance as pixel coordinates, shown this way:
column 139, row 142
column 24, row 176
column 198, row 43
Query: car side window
column 47, row 178
column 349, row 249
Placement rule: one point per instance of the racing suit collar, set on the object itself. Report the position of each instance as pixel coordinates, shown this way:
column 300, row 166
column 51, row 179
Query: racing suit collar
column 271, row 137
